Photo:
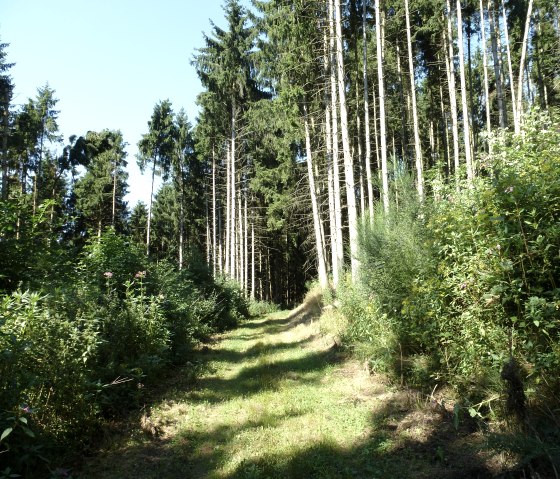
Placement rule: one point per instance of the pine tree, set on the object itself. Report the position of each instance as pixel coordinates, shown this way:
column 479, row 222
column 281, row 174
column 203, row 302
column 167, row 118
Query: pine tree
column 157, row 148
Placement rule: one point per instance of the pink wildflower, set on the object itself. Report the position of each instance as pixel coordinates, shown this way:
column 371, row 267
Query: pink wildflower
column 108, row 274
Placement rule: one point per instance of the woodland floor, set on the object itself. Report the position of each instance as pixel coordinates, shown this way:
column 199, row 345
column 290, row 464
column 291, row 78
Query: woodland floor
column 277, row 399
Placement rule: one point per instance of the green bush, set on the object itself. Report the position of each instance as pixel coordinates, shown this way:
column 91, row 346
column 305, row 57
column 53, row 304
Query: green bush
column 261, row 308
column 452, row 289
column 45, row 387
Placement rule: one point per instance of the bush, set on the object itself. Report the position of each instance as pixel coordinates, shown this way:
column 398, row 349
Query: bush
column 45, row 381
column 459, row 285
column 82, row 352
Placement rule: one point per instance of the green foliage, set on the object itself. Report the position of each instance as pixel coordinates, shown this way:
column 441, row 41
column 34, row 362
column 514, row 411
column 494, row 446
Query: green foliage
column 261, row 308
column 45, row 387
column 85, row 350
column 110, row 257
column 470, row 280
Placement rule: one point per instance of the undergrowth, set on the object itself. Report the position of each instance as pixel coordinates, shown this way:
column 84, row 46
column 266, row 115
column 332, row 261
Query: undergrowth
column 462, row 289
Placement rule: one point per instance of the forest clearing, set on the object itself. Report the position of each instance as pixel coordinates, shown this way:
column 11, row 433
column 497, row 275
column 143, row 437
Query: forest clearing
column 279, row 399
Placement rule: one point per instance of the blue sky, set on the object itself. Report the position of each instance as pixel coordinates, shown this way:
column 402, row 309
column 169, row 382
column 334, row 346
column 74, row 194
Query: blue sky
column 109, row 61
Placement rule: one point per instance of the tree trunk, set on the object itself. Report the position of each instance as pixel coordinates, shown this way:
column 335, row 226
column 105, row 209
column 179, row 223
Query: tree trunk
column 450, row 70
column 227, row 267
column 330, row 169
column 417, row 144
column 485, row 68
column 466, row 115
column 252, row 262
column 246, row 247
column 148, row 229
column 519, row 108
column 339, row 242
column 382, row 121
column 497, row 65
column 321, row 265
column 214, row 219
column 510, row 69
column 348, row 162
column 5, row 165
column 366, row 114
column 233, row 246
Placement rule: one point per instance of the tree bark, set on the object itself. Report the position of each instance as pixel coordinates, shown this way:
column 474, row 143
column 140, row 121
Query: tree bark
column 335, row 150
column 510, row 70
column 485, row 68
column 519, row 107
column 214, row 219
column 382, row 120
column 319, row 245
column 497, row 66
column 366, row 114
column 227, row 268
column 450, row 70
column 466, row 114
column 348, row 161
column 232, row 237
column 148, row 229
column 417, row 144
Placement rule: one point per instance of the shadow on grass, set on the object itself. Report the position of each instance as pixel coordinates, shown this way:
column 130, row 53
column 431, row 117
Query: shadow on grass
column 389, row 451
column 267, row 375
column 232, row 356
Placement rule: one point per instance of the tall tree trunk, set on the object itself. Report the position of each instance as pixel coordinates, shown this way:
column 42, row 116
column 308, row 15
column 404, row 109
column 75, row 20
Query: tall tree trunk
column 519, row 108
column 319, row 244
column 214, row 219
column 447, row 150
column 510, row 69
column 232, row 237
column 148, row 229
column 369, row 178
column 450, row 70
column 227, row 268
column 485, row 69
column 246, row 247
column 5, row 163
column 330, row 169
column 339, row 242
column 348, row 162
column 466, row 114
column 417, row 144
column 182, row 217
column 360, row 156
column 114, row 198
column 240, row 250
column 496, row 59
column 382, row 120
column 404, row 103
column 253, row 283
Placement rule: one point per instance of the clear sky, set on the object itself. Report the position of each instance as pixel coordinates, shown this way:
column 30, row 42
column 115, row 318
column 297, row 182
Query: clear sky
column 109, row 61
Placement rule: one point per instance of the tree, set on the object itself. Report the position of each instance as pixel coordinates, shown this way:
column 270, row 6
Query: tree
column 466, row 114
column 100, row 192
column 382, row 118
column 417, row 144
column 157, row 148
column 348, row 160
column 225, row 69
column 6, row 89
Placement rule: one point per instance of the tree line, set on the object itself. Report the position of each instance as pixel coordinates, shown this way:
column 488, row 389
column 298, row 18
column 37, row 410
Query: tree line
column 310, row 111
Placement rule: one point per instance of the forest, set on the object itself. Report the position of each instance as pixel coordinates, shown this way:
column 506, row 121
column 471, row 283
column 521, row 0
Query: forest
column 402, row 156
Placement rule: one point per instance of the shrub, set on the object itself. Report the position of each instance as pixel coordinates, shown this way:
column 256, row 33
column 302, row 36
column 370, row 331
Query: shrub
column 45, row 386
column 462, row 284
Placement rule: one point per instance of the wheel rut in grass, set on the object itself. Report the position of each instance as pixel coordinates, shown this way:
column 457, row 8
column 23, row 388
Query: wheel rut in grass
column 276, row 399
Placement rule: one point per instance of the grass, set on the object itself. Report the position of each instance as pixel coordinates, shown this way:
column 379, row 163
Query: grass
column 277, row 399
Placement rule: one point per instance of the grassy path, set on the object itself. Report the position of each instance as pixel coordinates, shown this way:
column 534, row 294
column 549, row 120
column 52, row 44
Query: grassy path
column 277, row 400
